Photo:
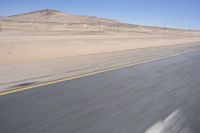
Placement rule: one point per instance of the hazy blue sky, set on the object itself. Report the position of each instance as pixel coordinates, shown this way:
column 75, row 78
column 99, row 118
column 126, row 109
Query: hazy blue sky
column 172, row 13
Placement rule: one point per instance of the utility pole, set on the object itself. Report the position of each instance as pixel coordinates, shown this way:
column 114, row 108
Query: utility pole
column 0, row 28
column 164, row 29
column 118, row 28
column 189, row 29
column 99, row 25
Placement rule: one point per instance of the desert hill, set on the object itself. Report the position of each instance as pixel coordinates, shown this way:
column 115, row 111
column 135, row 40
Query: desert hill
column 48, row 15
column 55, row 21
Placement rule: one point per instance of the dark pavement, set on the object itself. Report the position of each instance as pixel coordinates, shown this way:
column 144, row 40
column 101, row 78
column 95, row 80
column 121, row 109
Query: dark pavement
column 128, row 100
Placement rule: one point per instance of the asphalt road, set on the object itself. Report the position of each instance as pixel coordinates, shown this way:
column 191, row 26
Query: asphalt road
column 162, row 95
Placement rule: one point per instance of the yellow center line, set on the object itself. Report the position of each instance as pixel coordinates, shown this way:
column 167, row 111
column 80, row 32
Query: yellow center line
column 88, row 74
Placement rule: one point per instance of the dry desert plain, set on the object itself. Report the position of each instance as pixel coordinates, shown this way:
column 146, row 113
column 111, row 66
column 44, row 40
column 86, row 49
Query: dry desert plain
column 48, row 45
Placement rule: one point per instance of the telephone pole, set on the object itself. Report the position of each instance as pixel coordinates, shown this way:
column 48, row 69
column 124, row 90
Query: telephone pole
column 118, row 28
column 164, row 29
column 0, row 27
column 99, row 25
column 189, row 29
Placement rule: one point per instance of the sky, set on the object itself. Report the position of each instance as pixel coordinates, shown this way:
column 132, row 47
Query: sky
column 170, row 13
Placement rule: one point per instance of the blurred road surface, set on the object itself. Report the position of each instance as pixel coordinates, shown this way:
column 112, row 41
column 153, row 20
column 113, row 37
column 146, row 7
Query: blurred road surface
column 157, row 97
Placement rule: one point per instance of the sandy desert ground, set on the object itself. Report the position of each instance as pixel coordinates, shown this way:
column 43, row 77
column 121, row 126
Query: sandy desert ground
column 48, row 45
